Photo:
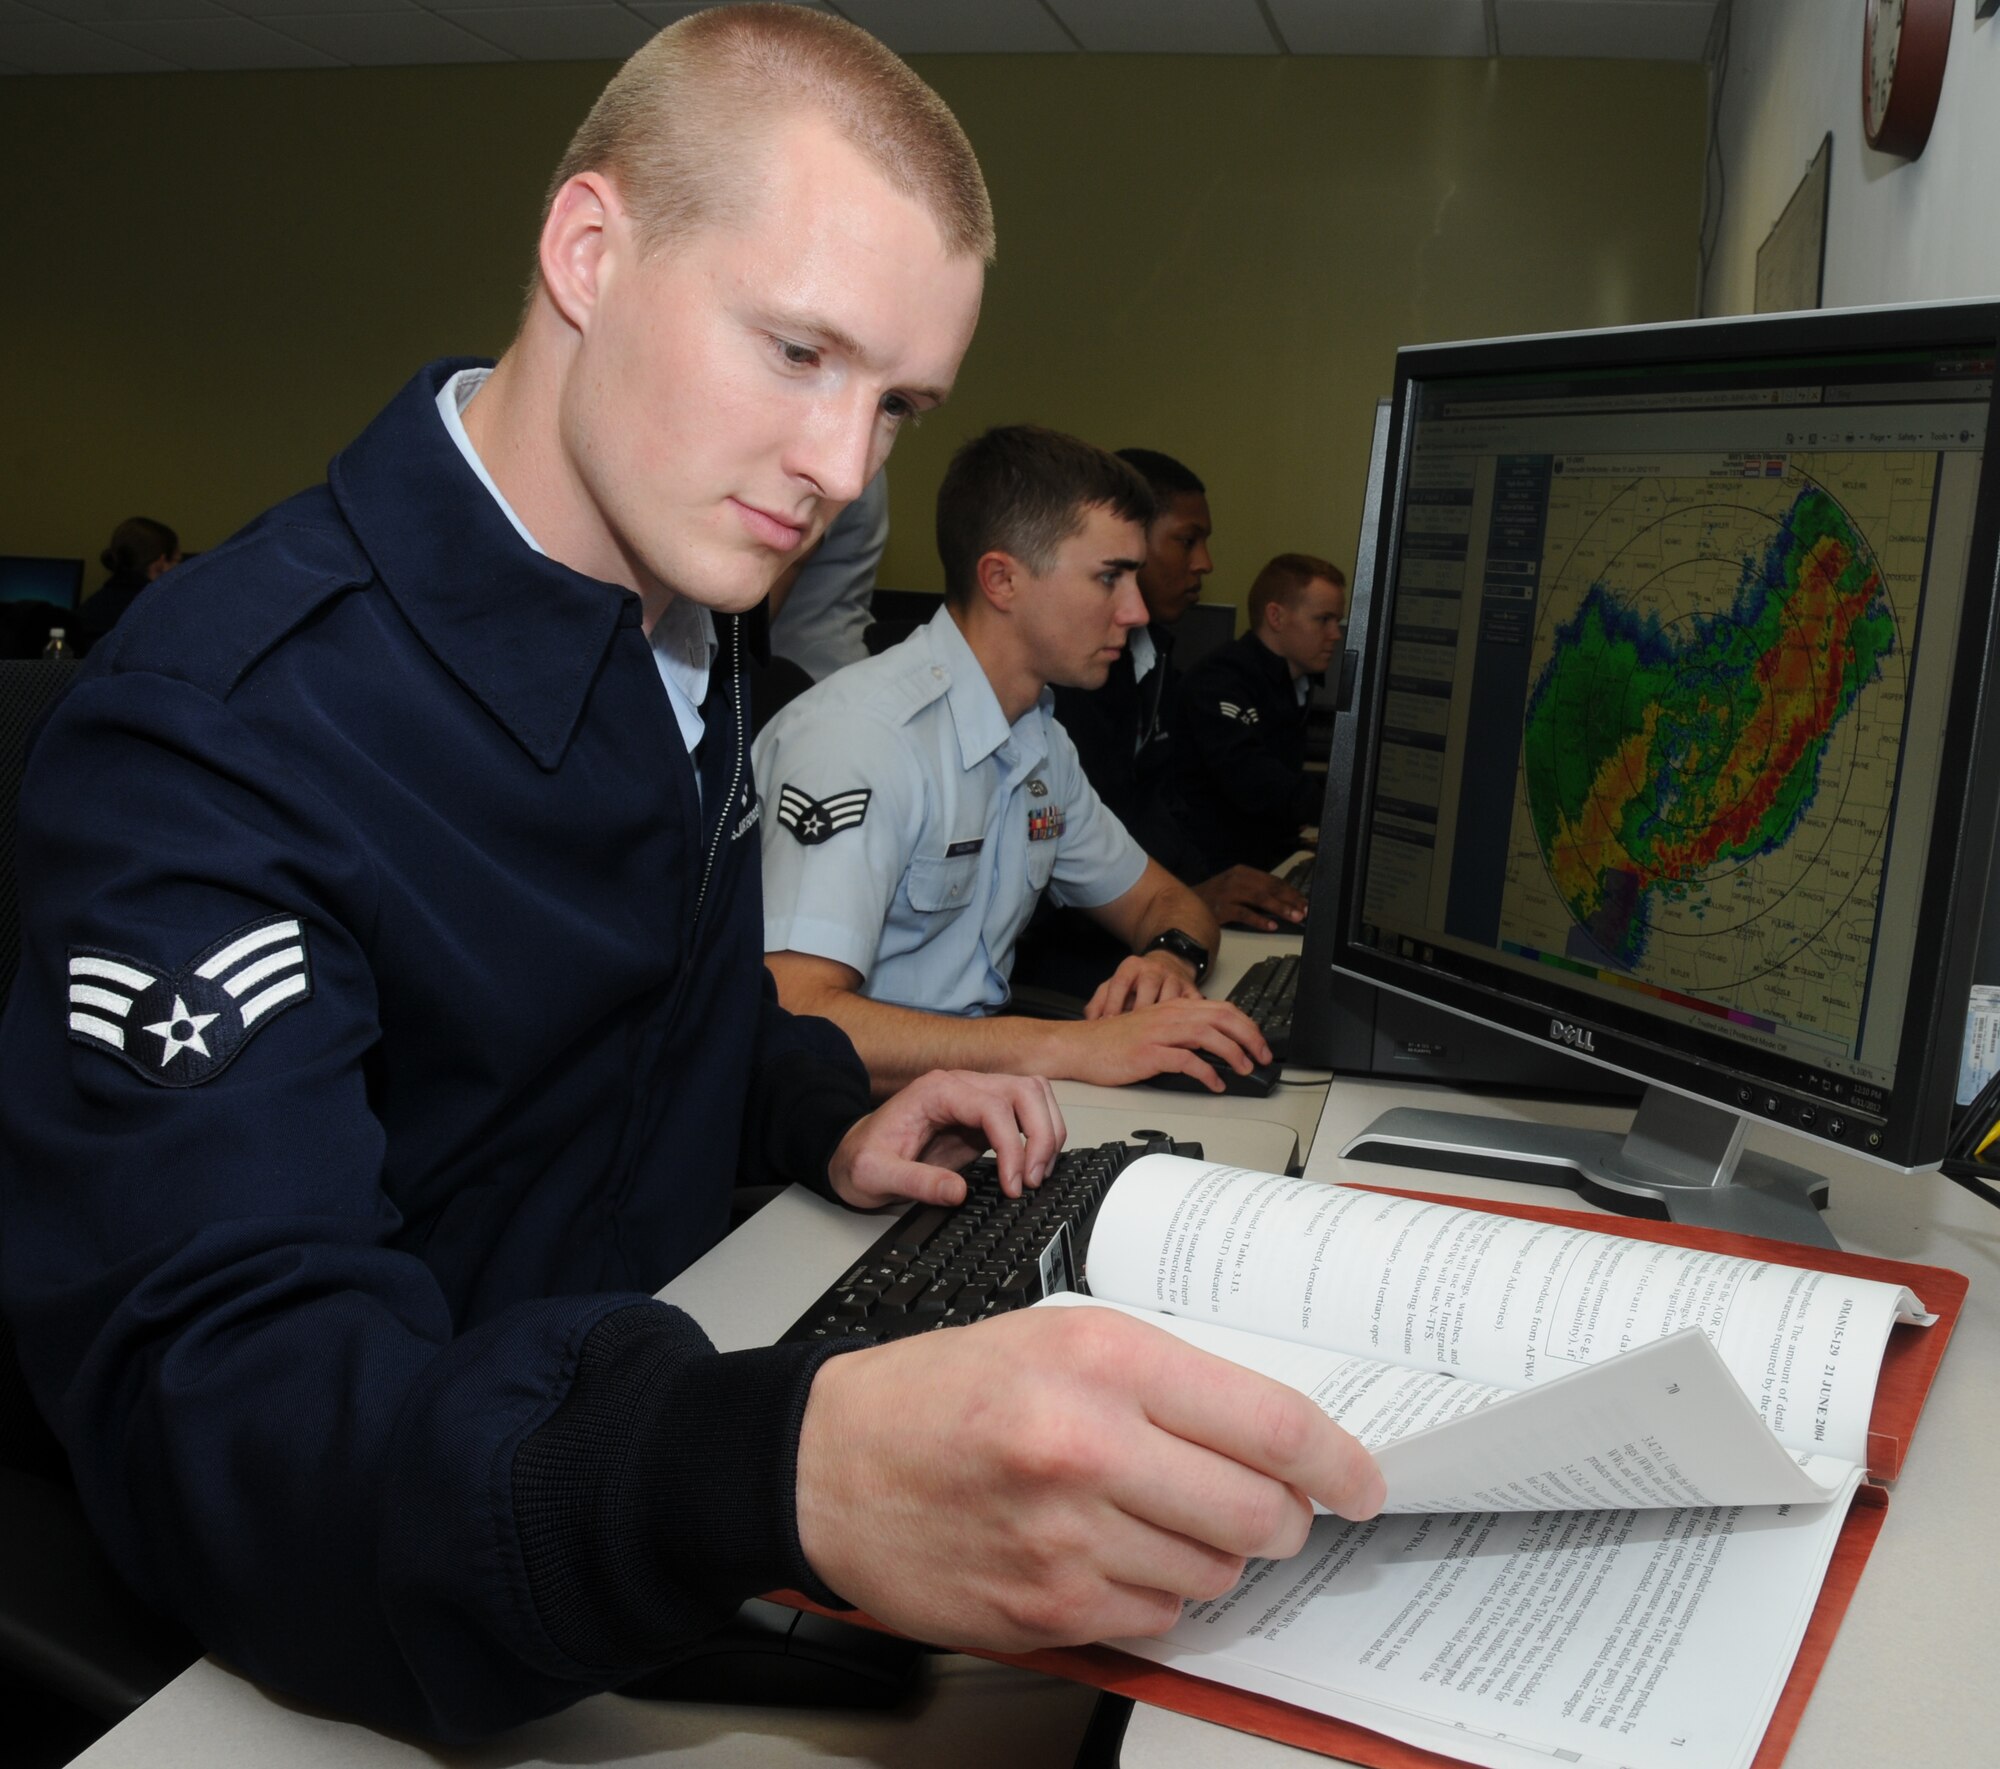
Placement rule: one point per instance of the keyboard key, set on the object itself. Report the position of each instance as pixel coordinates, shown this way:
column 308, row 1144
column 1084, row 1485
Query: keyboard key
column 902, row 1295
column 940, row 1267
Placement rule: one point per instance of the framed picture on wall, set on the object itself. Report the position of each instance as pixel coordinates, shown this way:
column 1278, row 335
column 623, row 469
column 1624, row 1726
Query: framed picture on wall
column 1791, row 263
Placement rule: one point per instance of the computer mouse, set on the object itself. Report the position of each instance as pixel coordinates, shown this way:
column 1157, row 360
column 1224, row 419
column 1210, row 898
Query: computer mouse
column 1255, row 1085
column 767, row 1655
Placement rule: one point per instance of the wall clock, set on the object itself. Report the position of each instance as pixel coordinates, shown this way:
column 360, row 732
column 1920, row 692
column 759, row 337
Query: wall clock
column 1903, row 47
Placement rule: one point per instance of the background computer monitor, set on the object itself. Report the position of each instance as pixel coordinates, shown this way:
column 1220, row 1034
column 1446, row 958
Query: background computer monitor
column 1203, row 627
column 26, row 578
column 1675, row 747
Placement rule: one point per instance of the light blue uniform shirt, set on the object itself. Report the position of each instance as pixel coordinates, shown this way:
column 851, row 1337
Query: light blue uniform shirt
column 909, row 829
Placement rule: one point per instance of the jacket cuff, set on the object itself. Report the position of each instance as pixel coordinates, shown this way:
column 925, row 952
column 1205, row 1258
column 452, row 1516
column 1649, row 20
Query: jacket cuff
column 662, row 1491
column 810, row 1103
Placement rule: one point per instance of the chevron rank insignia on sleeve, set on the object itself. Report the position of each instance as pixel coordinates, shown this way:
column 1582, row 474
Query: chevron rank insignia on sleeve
column 185, row 1028
column 1243, row 715
column 816, row 820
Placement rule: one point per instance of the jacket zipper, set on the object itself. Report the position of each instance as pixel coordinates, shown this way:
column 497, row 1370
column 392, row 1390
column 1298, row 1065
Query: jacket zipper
column 736, row 772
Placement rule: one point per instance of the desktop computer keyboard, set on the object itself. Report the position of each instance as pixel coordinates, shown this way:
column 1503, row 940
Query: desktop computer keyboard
column 1266, row 993
column 1298, row 873
column 947, row 1266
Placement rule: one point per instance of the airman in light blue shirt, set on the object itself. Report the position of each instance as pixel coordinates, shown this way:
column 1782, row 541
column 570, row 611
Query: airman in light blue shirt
column 917, row 806
column 909, row 829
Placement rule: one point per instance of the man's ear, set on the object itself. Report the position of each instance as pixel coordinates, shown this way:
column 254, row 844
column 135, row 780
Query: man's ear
column 581, row 225
column 998, row 576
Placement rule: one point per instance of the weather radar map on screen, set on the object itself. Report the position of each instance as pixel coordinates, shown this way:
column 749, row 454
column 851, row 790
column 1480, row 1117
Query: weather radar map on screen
column 1658, row 660
column 1670, row 751
column 1718, row 681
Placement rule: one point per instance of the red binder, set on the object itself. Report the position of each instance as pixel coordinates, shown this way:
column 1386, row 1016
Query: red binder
column 1909, row 1367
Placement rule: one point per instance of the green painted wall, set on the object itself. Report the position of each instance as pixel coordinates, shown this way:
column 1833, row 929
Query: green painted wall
column 213, row 280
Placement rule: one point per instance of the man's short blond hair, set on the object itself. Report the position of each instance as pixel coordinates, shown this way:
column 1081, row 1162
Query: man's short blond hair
column 672, row 128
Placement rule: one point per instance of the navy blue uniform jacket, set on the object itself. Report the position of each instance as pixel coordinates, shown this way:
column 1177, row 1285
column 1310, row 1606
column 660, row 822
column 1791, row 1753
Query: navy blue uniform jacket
column 342, row 1306
column 1240, row 784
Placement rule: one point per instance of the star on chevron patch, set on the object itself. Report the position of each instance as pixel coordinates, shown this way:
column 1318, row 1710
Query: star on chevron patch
column 185, row 1028
column 816, row 820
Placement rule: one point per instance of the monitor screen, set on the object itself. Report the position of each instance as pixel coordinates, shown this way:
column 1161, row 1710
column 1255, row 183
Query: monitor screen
column 1674, row 737
column 24, row 578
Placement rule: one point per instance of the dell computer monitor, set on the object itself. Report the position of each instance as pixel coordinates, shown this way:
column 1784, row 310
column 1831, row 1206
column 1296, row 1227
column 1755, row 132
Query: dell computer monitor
column 1675, row 744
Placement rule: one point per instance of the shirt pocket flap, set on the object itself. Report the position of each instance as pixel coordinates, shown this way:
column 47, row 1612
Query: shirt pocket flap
column 942, row 881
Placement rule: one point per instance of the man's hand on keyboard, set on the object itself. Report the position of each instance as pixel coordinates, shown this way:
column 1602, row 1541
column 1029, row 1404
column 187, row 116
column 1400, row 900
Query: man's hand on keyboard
column 1250, row 898
column 913, row 1144
column 1057, row 1476
column 1140, row 981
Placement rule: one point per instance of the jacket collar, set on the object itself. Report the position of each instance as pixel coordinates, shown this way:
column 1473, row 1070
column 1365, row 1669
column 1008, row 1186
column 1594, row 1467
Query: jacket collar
column 1268, row 665
column 524, row 635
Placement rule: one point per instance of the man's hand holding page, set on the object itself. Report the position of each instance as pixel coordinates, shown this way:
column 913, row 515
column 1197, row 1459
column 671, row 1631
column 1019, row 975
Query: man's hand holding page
column 1056, row 1477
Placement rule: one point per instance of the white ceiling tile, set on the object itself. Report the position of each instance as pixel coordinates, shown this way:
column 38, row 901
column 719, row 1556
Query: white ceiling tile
column 450, row 6
column 216, row 43
column 90, row 36
column 284, row 9
column 44, row 45
column 668, row 12
column 560, row 33
column 989, row 27
column 1639, row 30
column 1382, row 27
column 97, row 12
column 388, row 39
column 1167, row 27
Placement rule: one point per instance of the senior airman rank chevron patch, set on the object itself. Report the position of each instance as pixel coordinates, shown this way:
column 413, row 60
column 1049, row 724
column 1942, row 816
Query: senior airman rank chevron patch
column 816, row 820
column 182, row 1029
column 1243, row 715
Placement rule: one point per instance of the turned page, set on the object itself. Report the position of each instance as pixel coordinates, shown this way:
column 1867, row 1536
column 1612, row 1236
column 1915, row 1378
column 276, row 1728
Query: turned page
column 1490, row 1298
column 1665, row 1425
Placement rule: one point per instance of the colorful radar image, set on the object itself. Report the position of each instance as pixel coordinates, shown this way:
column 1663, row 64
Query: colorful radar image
column 1714, row 715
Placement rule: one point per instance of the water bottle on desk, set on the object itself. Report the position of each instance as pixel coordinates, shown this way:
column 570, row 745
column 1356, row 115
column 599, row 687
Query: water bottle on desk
column 58, row 646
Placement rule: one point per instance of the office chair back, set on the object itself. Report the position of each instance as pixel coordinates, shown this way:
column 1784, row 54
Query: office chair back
column 69, row 1629
column 28, row 688
column 893, row 615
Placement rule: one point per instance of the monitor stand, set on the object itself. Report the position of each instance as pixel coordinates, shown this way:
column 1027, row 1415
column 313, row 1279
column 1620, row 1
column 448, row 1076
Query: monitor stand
column 1683, row 1160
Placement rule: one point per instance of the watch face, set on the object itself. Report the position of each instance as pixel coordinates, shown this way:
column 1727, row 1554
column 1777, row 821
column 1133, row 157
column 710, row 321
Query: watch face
column 1884, row 33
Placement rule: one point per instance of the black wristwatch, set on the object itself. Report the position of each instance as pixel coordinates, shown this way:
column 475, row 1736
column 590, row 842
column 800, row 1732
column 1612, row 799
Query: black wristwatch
column 1182, row 946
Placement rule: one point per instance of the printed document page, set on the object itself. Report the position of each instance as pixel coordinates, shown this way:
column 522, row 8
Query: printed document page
column 1490, row 1298
column 1614, row 1639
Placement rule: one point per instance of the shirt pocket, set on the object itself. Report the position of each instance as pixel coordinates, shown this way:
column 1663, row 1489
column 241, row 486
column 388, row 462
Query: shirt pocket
column 1041, row 863
column 942, row 883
